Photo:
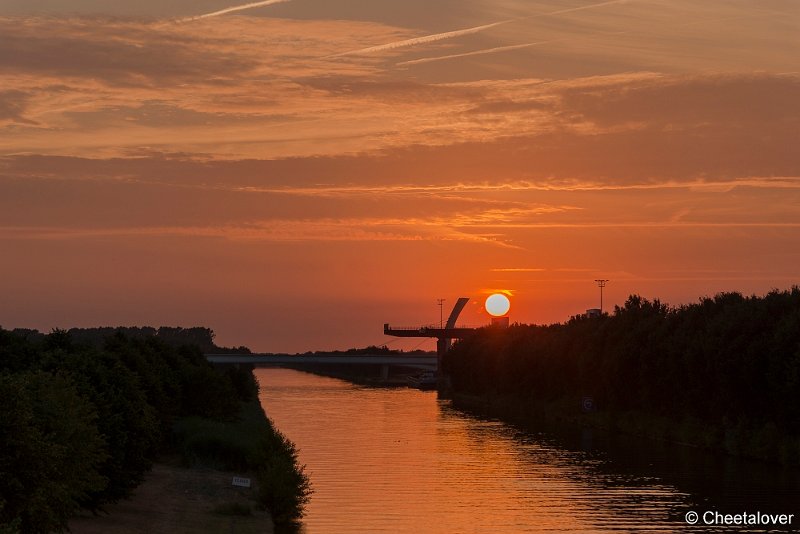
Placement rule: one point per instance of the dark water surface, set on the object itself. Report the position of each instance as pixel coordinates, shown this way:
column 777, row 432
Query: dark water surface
column 400, row 460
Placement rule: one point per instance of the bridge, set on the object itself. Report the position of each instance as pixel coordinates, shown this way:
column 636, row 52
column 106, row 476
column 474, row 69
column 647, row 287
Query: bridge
column 419, row 362
column 427, row 363
column 444, row 334
column 456, row 332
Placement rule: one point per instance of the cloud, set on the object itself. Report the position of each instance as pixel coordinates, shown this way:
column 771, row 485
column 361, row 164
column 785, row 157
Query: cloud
column 276, row 231
column 648, row 225
column 690, row 101
column 12, row 107
column 518, row 270
column 313, row 125
column 115, row 51
column 150, row 197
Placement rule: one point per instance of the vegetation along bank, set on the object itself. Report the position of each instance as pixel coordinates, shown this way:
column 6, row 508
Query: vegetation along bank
column 723, row 373
column 83, row 421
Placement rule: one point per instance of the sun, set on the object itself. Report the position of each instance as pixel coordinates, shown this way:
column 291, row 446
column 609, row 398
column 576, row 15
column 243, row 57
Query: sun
column 498, row 304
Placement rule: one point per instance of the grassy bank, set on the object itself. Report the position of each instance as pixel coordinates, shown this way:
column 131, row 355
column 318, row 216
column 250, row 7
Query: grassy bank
column 248, row 444
column 180, row 500
column 191, row 491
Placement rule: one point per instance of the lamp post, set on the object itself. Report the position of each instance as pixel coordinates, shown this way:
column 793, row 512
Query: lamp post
column 601, row 284
column 440, row 302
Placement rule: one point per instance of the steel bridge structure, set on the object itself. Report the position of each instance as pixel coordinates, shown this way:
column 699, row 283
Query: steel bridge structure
column 444, row 334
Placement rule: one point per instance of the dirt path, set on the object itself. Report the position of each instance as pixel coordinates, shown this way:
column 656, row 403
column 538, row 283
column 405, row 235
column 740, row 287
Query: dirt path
column 178, row 500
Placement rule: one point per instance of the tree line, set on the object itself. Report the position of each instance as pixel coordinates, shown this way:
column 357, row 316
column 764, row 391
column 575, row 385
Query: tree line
column 723, row 372
column 201, row 337
column 82, row 421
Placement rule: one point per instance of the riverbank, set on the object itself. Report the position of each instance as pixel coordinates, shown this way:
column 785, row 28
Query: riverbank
column 193, row 491
column 181, row 500
column 249, row 443
column 83, row 425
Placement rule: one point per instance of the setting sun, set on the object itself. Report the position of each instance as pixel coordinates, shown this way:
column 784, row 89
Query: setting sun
column 497, row 304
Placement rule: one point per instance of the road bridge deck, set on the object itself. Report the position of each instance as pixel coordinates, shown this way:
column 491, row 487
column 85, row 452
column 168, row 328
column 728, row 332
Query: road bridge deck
column 421, row 362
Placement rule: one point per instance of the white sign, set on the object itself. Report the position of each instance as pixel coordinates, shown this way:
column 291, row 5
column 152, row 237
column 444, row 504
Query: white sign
column 241, row 482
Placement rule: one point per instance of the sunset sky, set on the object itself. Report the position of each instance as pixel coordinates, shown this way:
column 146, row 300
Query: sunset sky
column 297, row 173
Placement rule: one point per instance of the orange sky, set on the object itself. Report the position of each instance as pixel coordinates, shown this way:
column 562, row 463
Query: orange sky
column 294, row 175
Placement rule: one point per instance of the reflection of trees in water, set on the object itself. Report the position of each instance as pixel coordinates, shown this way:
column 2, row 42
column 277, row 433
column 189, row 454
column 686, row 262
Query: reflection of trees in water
column 637, row 475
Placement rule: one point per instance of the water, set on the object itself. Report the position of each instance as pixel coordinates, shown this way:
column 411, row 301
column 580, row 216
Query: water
column 400, row 460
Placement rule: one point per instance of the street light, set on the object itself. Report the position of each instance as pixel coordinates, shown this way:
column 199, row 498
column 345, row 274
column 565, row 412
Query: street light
column 601, row 284
column 440, row 302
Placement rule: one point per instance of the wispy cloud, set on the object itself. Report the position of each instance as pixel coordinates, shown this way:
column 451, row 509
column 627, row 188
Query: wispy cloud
column 131, row 85
column 290, row 230
column 645, row 225
column 519, row 270
column 708, row 186
column 233, row 9
column 542, row 269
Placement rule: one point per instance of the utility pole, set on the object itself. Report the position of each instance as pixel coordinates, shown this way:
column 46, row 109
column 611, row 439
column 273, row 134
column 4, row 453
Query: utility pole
column 440, row 302
column 601, row 284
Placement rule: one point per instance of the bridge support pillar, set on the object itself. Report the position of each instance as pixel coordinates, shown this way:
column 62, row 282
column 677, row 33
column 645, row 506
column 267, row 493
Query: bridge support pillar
column 442, row 346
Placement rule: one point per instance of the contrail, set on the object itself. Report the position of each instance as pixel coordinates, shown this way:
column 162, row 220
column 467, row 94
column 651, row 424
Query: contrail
column 476, row 52
column 231, row 9
column 423, row 40
column 492, row 50
column 467, row 31
column 581, row 8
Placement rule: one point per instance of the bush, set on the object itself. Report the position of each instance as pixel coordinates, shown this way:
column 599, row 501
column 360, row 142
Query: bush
column 283, row 486
column 51, row 451
column 217, row 444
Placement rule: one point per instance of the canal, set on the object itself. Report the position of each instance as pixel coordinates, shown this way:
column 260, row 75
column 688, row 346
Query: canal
column 401, row 460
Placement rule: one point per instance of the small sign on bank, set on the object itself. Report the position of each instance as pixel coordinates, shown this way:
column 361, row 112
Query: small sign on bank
column 241, row 482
